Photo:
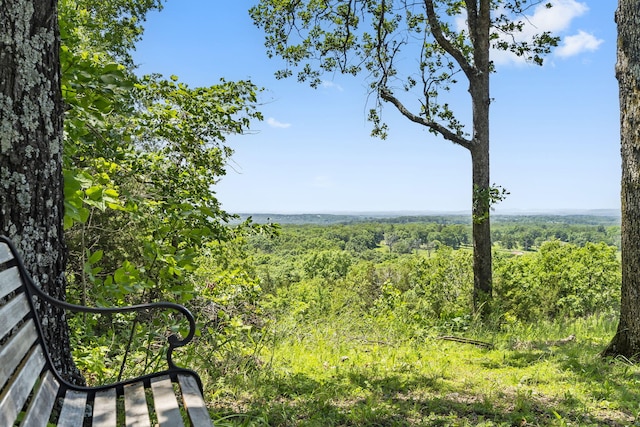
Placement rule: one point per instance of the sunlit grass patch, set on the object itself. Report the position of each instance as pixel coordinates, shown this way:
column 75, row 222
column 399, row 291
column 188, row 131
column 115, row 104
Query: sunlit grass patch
column 331, row 375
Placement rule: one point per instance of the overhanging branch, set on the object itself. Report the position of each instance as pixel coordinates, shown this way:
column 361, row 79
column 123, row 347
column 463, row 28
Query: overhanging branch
column 444, row 43
column 435, row 126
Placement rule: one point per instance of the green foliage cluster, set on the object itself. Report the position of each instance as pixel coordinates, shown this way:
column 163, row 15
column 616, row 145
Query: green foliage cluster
column 372, row 38
column 420, row 273
column 141, row 157
column 560, row 280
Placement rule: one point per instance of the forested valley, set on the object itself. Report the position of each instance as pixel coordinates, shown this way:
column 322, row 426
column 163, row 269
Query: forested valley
column 344, row 320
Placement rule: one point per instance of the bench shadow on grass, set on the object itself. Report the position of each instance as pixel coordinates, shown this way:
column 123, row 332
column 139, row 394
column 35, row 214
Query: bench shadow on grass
column 352, row 398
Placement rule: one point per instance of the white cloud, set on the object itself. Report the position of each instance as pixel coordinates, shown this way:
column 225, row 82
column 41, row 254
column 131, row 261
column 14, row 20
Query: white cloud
column 556, row 19
column 331, row 85
column 276, row 124
column 576, row 44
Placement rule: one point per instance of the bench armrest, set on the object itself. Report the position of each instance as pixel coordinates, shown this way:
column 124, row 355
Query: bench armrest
column 173, row 339
column 33, row 290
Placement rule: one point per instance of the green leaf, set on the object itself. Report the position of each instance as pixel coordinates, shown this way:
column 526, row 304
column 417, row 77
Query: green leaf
column 67, row 222
column 71, row 182
column 84, row 214
column 96, row 256
column 95, row 193
column 120, row 276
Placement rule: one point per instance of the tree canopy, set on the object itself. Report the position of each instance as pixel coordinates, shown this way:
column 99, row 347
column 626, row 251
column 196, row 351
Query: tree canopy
column 412, row 54
column 141, row 156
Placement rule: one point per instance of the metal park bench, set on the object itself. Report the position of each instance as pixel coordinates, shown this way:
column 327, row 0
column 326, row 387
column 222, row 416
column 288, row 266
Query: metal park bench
column 32, row 393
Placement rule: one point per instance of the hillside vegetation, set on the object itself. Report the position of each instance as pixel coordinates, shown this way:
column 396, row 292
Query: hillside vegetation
column 369, row 323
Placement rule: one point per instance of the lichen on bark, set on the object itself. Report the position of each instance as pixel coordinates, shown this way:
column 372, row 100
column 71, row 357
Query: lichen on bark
column 31, row 189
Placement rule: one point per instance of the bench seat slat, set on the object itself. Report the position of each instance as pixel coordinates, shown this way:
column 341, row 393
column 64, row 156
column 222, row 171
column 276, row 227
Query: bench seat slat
column 104, row 408
column 164, row 399
column 193, row 401
column 135, row 406
column 14, row 397
column 40, row 408
column 73, row 409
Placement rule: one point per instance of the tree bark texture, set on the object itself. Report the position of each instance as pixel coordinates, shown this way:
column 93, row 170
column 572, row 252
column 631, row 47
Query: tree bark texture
column 479, row 88
column 481, row 233
column 626, row 342
column 31, row 132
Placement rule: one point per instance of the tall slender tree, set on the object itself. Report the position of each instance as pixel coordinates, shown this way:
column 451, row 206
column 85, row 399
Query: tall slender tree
column 626, row 342
column 31, row 189
column 449, row 39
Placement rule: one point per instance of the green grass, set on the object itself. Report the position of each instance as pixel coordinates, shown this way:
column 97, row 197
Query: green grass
column 341, row 373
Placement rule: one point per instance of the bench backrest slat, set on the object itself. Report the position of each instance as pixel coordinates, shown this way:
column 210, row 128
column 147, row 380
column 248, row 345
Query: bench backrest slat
column 73, row 408
column 15, row 395
column 9, row 281
column 136, row 412
column 164, row 400
column 5, row 253
column 15, row 350
column 104, row 408
column 39, row 410
column 194, row 402
column 13, row 312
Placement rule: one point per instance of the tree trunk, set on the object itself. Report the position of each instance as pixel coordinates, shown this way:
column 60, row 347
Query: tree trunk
column 31, row 131
column 626, row 342
column 482, row 266
column 479, row 88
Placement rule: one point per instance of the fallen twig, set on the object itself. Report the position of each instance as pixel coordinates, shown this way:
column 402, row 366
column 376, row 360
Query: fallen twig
column 466, row 341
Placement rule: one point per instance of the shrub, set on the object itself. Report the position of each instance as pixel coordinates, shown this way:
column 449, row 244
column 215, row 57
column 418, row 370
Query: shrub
column 559, row 280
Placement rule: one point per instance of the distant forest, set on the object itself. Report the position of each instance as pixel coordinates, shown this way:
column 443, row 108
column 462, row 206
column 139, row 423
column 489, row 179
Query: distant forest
column 405, row 234
column 604, row 217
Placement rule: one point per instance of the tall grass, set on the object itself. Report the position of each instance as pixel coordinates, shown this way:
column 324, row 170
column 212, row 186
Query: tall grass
column 393, row 342
column 335, row 374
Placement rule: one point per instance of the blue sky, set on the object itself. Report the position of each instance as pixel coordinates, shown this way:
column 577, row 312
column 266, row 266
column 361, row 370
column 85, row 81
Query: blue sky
column 554, row 129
